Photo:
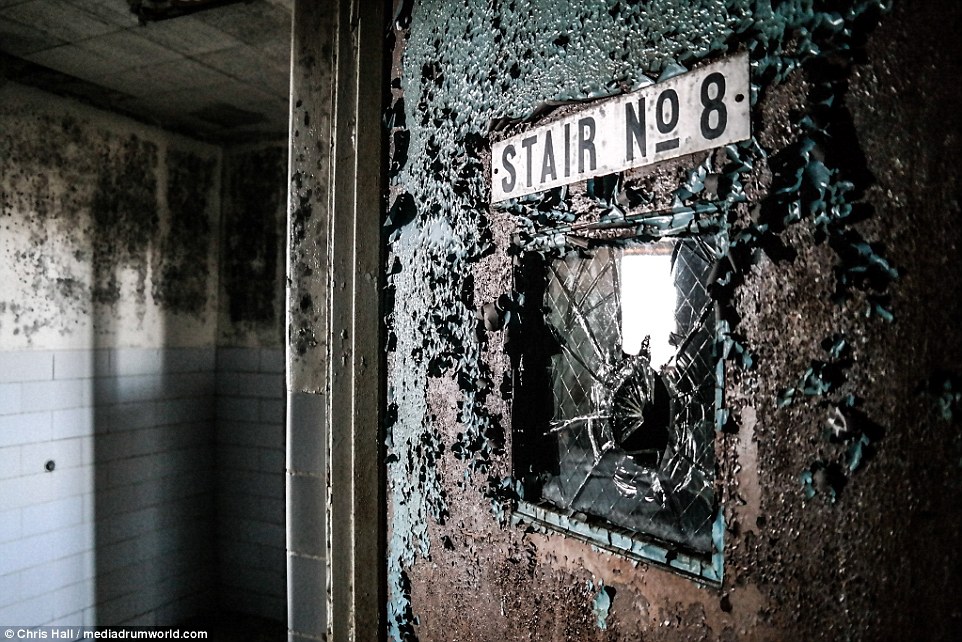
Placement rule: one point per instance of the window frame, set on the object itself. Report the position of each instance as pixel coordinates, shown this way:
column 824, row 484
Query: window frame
column 704, row 568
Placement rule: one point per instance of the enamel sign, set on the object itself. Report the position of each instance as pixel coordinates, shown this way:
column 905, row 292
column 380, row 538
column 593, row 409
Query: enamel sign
column 693, row 112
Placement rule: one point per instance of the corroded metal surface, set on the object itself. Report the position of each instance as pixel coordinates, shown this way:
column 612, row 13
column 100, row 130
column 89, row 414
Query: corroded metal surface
column 868, row 229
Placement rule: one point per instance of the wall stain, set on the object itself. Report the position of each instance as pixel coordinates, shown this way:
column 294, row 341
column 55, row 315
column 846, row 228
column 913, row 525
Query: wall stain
column 42, row 178
column 253, row 241
column 309, row 187
column 182, row 272
column 302, row 334
column 85, row 226
column 125, row 217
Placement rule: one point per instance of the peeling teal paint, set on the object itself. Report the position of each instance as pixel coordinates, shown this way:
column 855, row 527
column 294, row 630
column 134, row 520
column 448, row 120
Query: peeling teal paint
column 469, row 66
column 822, row 478
column 946, row 390
column 601, row 604
column 821, row 377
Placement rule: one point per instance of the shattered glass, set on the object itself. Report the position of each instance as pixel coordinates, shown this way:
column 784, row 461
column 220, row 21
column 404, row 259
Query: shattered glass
column 632, row 434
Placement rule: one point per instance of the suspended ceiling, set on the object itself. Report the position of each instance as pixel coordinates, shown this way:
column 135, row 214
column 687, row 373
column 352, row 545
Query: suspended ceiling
column 222, row 73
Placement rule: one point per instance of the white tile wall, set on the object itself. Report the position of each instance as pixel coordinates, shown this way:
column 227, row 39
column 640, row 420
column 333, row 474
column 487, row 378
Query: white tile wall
column 10, row 521
column 250, row 484
column 27, row 428
column 10, row 398
column 10, row 462
column 305, row 523
column 26, row 366
column 131, row 433
column 76, row 422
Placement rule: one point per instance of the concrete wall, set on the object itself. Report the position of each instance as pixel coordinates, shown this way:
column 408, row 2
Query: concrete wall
column 334, row 282
column 109, row 328
column 308, row 298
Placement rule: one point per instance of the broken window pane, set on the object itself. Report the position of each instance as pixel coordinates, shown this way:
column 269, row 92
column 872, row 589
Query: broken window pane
column 631, row 372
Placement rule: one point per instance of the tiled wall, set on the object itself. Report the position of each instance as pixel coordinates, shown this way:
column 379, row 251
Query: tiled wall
column 250, row 481
column 306, row 517
column 168, row 486
column 120, row 530
column 158, row 507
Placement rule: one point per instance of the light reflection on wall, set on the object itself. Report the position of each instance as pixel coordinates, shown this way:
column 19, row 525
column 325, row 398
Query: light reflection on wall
column 648, row 303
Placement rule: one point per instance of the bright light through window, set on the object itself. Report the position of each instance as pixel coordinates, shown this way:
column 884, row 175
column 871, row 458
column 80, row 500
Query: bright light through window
column 648, row 301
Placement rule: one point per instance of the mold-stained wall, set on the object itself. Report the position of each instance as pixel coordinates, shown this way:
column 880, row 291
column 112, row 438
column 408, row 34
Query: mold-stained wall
column 140, row 341
column 253, row 233
column 109, row 230
column 334, row 375
column 837, row 287
column 108, row 318
column 250, row 382
column 307, row 319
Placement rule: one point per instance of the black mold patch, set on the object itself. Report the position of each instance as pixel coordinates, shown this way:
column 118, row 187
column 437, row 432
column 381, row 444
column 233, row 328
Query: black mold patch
column 87, row 220
column 125, row 217
column 46, row 165
column 302, row 336
column 253, row 224
column 77, row 195
column 180, row 283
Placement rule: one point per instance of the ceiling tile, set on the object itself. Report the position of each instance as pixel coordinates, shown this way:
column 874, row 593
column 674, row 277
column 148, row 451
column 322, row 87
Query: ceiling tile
column 275, row 113
column 278, row 52
column 278, row 82
column 216, row 111
column 242, row 93
column 231, row 63
column 116, row 12
column 188, row 35
column 20, row 39
column 249, row 65
column 188, row 100
column 74, row 61
column 229, row 115
column 129, row 48
column 173, row 75
column 210, row 98
column 148, row 111
column 253, row 23
column 58, row 18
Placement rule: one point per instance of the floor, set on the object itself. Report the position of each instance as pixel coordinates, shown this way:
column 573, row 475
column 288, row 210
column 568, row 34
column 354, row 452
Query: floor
column 237, row 627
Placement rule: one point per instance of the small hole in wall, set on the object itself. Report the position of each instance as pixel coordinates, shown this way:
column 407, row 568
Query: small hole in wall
column 50, row 465
column 495, row 170
column 739, row 97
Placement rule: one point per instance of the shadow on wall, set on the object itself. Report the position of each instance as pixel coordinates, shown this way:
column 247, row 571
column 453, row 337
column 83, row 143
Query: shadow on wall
column 190, row 443
column 153, row 406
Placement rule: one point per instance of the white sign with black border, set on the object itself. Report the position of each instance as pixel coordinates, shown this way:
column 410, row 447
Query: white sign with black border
column 692, row 112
